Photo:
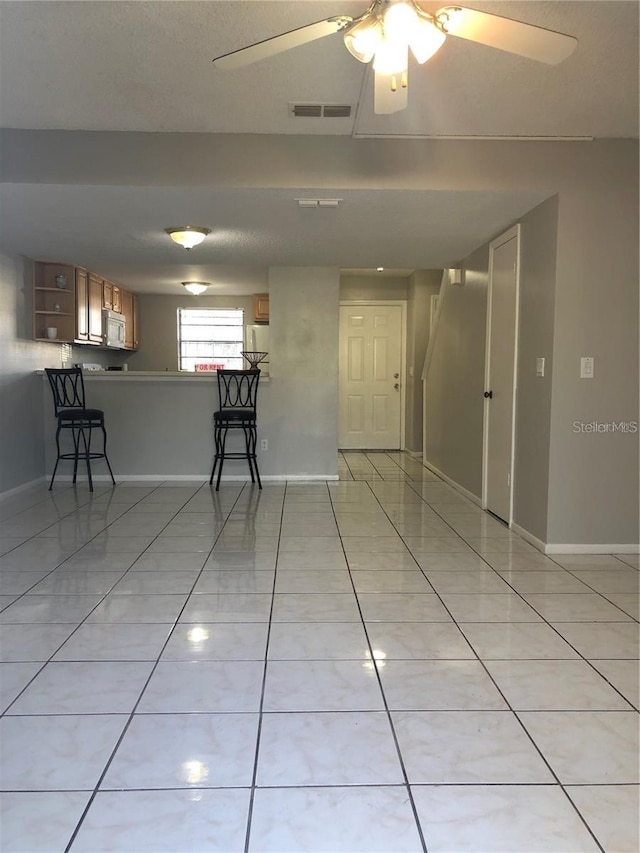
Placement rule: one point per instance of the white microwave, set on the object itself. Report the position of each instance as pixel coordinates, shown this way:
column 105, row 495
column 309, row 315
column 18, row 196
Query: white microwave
column 113, row 329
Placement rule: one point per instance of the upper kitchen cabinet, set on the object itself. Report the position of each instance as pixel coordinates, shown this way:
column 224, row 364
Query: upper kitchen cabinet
column 130, row 310
column 112, row 297
column 54, row 315
column 68, row 304
column 95, row 309
column 260, row 307
column 88, row 307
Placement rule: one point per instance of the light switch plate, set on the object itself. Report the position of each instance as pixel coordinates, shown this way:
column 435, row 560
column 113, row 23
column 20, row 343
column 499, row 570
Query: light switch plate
column 539, row 366
column 587, row 367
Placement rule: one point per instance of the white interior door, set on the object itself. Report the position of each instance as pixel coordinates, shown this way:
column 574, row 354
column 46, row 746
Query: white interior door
column 500, row 377
column 370, row 377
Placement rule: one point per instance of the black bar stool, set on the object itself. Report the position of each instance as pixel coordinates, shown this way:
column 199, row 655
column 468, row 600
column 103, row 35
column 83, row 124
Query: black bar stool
column 67, row 387
column 238, row 392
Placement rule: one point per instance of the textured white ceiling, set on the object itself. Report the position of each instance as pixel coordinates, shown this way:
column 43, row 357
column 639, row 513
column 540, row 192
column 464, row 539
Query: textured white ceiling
column 146, row 66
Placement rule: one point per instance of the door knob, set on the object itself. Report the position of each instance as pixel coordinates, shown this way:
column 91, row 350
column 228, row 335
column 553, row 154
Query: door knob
column 397, row 386
column 488, row 394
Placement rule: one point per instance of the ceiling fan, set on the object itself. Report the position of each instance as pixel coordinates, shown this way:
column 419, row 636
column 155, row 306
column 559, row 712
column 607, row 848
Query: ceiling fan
column 388, row 28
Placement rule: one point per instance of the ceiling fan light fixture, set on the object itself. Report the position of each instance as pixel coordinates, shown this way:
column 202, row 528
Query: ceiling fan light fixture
column 425, row 39
column 399, row 20
column 196, row 288
column 187, row 236
column 364, row 39
column 391, row 58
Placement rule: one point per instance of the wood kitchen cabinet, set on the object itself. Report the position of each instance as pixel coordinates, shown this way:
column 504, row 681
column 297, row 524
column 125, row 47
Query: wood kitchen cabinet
column 260, row 307
column 82, row 305
column 54, row 302
column 129, row 319
column 68, row 304
column 94, row 309
column 136, row 322
column 111, row 297
column 88, row 307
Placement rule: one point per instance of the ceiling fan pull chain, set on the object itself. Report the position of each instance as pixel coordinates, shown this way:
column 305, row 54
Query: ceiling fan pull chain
column 394, row 83
column 405, row 82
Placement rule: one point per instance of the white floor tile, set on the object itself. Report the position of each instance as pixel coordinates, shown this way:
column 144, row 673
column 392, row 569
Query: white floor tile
column 39, row 822
column 185, row 751
column 65, row 753
column 311, row 685
column 89, row 687
column 333, row 820
column 452, row 685
column 31, row 642
column 164, row 822
column 327, row 749
column 560, row 685
column 597, row 804
column 217, row 641
column 178, row 687
column 587, row 747
column 117, row 642
column 538, row 819
column 500, row 667
column 318, row 641
column 467, row 747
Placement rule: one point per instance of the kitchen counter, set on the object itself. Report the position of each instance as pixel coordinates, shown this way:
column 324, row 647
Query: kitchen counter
column 155, row 375
column 159, row 426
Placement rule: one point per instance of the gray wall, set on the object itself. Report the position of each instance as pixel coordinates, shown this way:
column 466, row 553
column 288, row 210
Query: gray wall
column 159, row 326
column 455, row 383
column 579, row 296
column 304, row 310
column 423, row 284
column 354, row 287
column 535, row 339
column 593, row 478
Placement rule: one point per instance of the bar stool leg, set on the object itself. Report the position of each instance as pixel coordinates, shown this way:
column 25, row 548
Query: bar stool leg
column 104, row 450
column 55, row 467
column 87, row 454
column 223, row 442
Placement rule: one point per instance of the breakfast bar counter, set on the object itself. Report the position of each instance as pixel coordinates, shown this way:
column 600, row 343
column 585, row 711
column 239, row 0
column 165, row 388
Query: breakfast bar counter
column 160, row 426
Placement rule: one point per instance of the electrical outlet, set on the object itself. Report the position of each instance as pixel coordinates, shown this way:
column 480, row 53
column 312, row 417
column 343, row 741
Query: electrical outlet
column 264, row 444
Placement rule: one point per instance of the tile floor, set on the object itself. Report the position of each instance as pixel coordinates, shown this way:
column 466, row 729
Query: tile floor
column 368, row 665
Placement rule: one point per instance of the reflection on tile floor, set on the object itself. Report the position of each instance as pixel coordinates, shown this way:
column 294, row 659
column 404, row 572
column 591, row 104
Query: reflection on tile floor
column 366, row 665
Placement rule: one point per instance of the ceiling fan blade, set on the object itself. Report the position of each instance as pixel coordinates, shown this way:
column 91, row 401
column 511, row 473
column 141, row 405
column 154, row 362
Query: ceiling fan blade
column 278, row 44
column 505, row 34
column 385, row 99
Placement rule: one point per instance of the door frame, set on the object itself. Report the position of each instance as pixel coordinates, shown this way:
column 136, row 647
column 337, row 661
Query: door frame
column 512, row 232
column 402, row 304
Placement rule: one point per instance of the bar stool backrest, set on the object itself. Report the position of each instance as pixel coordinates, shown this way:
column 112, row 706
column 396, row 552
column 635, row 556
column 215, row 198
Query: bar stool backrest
column 238, row 389
column 67, row 387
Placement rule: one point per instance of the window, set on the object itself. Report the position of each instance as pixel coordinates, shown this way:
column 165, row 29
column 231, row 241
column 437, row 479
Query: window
column 209, row 338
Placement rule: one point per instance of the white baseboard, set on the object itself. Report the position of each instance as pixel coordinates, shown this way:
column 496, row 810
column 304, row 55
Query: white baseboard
column 529, row 537
column 555, row 548
column 11, row 493
column 414, row 454
column 467, row 494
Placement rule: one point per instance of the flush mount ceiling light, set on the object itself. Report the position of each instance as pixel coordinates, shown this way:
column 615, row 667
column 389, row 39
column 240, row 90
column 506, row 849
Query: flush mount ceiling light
column 196, row 287
column 389, row 29
column 187, row 235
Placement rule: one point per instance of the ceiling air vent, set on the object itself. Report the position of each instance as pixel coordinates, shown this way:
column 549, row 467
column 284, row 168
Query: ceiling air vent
column 320, row 110
column 336, row 111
